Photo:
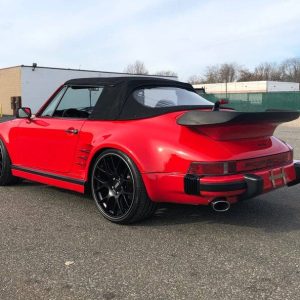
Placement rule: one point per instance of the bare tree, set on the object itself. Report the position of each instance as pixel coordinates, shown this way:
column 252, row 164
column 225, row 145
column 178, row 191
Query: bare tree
column 166, row 73
column 226, row 72
column 211, row 74
column 264, row 71
column 288, row 70
column 245, row 75
column 291, row 69
column 138, row 67
column 195, row 79
column 267, row 71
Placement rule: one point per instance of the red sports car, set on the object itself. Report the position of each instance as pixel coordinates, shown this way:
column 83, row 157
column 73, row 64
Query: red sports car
column 136, row 141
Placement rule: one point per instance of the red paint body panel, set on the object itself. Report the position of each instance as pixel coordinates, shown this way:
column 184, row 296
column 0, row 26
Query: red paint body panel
column 44, row 144
column 160, row 145
column 161, row 149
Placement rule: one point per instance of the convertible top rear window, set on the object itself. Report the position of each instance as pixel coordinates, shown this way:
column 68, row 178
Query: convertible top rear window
column 171, row 96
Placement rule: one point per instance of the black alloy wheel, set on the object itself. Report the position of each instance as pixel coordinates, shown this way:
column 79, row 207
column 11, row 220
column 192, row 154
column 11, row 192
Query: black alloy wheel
column 1, row 161
column 6, row 177
column 118, row 190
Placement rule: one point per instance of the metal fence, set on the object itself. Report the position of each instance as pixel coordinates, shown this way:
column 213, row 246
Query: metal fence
column 259, row 101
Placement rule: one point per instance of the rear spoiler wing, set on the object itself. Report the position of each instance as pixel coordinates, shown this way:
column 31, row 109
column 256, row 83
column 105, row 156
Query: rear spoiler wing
column 202, row 118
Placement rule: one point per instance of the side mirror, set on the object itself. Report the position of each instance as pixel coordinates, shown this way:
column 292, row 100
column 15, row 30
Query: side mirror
column 24, row 113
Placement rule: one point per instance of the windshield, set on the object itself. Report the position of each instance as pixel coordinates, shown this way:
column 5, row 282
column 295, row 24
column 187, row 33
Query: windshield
column 168, row 97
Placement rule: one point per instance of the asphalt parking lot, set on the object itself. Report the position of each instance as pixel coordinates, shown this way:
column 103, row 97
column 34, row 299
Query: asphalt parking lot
column 55, row 245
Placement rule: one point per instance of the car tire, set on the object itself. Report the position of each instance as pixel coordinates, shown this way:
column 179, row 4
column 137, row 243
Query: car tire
column 6, row 177
column 118, row 189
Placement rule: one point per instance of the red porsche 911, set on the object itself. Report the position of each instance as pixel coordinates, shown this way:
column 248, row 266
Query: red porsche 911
column 136, row 141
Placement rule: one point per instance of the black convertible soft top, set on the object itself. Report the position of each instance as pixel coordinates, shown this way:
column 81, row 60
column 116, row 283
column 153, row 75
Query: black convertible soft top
column 116, row 101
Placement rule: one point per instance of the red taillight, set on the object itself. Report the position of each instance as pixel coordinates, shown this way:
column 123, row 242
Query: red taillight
column 212, row 168
column 266, row 162
column 232, row 167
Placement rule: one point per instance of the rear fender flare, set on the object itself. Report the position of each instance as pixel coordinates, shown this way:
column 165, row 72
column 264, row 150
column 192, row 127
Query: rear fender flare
column 96, row 151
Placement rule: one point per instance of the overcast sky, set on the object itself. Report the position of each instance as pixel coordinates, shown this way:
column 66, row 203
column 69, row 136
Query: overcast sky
column 183, row 36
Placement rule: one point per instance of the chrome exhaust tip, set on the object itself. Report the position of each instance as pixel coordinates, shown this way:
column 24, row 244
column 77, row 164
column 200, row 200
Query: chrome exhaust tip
column 220, row 205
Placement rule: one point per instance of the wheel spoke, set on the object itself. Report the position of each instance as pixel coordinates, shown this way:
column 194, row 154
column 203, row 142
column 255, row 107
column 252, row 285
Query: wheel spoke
column 114, row 208
column 103, row 199
column 120, row 206
column 127, row 180
column 99, row 188
column 99, row 180
column 118, row 164
column 125, row 200
column 127, row 193
column 104, row 171
column 113, row 164
column 107, row 167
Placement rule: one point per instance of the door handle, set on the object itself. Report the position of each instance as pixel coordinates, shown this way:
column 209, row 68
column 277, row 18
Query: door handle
column 72, row 130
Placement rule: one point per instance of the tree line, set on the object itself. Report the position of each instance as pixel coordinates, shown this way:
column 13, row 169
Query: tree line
column 139, row 68
column 287, row 70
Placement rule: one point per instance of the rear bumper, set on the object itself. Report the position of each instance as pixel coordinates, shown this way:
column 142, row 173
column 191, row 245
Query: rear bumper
column 251, row 184
column 193, row 189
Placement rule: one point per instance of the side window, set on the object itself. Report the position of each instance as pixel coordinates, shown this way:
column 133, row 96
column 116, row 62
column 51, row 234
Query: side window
column 49, row 110
column 78, row 102
column 73, row 102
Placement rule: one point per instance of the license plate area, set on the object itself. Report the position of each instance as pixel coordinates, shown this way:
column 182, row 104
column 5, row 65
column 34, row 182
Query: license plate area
column 277, row 177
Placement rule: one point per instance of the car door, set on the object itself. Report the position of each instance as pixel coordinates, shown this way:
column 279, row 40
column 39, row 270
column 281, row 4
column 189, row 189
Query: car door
column 48, row 141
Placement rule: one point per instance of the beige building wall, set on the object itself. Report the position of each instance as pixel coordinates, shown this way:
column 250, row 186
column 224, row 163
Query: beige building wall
column 10, row 86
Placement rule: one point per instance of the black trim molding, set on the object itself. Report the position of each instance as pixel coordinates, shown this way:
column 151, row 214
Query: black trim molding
column 223, row 187
column 49, row 175
column 191, row 184
column 252, row 183
column 297, row 171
